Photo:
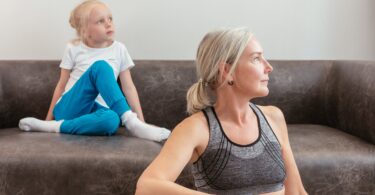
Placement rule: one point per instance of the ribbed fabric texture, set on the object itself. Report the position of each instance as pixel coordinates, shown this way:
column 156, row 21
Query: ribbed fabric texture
column 229, row 168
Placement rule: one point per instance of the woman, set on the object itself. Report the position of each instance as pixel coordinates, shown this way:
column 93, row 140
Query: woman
column 235, row 147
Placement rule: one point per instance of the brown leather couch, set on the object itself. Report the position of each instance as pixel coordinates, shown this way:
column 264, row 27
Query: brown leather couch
column 329, row 107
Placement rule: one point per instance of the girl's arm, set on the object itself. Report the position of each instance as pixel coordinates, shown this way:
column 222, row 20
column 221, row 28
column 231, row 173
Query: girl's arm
column 293, row 182
column 180, row 148
column 60, row 87
column 130, row 92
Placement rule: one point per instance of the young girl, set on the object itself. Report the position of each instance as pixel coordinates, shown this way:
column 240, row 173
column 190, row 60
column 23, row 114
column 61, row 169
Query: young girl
column 87, row 99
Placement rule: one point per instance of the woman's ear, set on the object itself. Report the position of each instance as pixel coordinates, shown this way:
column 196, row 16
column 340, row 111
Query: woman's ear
column 224, row 72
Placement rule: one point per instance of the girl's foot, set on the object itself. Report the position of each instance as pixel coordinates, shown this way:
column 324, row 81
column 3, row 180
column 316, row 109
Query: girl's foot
column 143, row 130
column 33, row 124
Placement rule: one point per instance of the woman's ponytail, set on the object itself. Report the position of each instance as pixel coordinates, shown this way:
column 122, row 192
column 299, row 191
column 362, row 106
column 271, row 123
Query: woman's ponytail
column 197, row 97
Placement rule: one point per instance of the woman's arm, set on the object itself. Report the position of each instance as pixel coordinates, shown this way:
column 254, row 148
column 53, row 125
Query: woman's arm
column 59, row 89
column 131, row 94
column 293, row 182
column 180, row 148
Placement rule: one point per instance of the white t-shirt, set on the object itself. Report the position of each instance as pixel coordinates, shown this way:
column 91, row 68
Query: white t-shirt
column 78, row 58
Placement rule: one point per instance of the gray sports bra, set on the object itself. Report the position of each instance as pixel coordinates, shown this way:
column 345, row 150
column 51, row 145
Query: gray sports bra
column 229, row 168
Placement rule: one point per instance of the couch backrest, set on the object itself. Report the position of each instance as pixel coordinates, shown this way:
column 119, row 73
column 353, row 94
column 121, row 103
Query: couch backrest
column 162, row 87
column 318, row 92
column 26, row 89
column 298, row 89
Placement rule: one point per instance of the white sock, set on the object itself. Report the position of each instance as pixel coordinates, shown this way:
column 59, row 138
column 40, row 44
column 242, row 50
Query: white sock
column 143, row 130
column 33, row 124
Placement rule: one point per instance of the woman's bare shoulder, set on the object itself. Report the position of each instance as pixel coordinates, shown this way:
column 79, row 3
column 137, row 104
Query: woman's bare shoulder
column 192, row 124
column 272, row 112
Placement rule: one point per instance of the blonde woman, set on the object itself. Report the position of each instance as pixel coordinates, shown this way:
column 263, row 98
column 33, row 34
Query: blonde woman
column 234, row 146
column 87, row 99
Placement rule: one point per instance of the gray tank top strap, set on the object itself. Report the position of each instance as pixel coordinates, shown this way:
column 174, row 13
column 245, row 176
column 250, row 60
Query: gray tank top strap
column 226, row 167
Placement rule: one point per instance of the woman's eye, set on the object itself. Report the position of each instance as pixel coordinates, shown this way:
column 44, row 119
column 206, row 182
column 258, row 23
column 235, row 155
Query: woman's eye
column 256, row 60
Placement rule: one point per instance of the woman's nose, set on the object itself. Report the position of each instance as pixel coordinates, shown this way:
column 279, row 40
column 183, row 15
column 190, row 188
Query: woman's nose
column 268, row 66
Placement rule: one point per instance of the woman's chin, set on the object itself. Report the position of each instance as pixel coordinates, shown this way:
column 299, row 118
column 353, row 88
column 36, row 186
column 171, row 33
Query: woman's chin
column 264, row 93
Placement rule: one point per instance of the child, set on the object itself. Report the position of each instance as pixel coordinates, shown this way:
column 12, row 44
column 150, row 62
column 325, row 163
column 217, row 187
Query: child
column 87, row 99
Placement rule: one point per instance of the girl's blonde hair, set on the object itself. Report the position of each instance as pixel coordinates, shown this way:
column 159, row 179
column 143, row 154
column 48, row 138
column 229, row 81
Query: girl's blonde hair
column 79, row 17
column 220, row 46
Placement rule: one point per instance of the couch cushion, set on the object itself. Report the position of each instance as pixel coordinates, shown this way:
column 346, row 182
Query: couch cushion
column 331, row 161
column 47, row 163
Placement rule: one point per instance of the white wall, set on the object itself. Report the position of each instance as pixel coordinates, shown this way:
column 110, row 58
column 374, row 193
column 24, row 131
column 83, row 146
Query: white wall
column 172, row 29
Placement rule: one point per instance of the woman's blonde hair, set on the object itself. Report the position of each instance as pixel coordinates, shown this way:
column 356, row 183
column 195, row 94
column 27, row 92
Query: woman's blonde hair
column 220, row 46
column 79, row 17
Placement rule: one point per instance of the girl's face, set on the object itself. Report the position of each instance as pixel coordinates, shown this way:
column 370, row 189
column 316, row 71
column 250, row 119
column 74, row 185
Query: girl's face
column 100, row 29
column 252, row 73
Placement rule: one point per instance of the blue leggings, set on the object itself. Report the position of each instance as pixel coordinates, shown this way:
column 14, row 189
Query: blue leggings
column 81, row 114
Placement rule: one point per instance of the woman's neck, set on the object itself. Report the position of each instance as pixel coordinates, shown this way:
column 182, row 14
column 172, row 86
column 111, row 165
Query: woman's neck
column 232, row 107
